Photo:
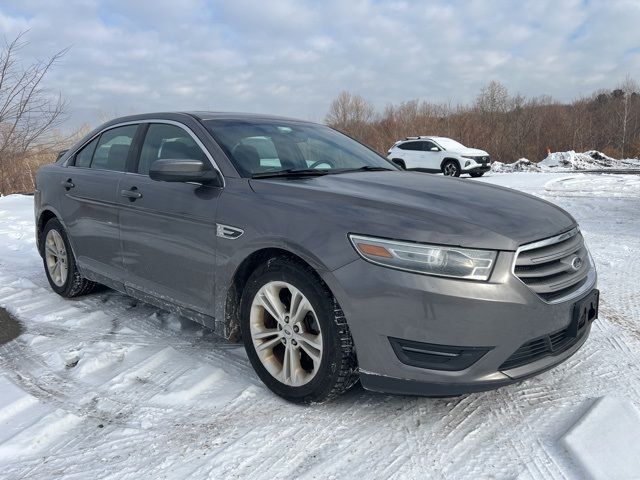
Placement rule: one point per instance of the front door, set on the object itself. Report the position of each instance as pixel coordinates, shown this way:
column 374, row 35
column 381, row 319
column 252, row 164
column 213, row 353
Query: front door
column 90, row 187
column 432, row 154
column 168, row 229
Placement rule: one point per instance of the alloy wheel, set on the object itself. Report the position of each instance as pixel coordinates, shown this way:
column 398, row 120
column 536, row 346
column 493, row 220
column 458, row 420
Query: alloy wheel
column 450, row 169
column 56, row 257
column 286, row 333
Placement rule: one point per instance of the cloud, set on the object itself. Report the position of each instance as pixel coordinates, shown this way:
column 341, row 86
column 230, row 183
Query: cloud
column 293, row 57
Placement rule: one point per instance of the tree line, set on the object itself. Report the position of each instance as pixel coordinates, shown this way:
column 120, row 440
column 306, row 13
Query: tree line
column 508, row 126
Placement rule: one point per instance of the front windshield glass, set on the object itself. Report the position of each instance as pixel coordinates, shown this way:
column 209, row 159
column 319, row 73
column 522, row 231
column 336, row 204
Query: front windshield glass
column 449, row 144
column 260, row 146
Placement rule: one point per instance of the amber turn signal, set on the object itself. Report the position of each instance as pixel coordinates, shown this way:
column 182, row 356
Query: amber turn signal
column 374, row 250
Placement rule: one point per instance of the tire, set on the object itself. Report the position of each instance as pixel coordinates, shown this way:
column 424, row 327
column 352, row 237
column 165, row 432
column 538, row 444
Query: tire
column 476, row 174
column 320, row 322
column 69, row 283
column 451, row 168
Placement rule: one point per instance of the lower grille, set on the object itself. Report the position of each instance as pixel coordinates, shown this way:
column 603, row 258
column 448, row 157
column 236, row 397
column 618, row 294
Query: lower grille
column 555, row 267
column 554, row 343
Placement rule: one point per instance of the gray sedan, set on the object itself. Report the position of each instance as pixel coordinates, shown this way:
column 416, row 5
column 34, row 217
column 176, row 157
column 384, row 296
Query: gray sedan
column 330, row 263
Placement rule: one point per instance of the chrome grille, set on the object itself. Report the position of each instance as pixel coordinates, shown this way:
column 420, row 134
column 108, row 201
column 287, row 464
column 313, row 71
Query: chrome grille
column 554, row 268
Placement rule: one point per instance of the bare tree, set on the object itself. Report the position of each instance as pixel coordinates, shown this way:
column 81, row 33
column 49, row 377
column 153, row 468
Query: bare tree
column 628, row 88
column 350, row 113
column 28, row 112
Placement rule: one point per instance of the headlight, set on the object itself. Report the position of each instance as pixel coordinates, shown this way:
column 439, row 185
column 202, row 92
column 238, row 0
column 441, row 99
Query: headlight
column 439, row 260
column 470, row 156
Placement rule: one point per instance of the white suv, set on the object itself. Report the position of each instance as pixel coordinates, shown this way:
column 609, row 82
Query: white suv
column 439, row 154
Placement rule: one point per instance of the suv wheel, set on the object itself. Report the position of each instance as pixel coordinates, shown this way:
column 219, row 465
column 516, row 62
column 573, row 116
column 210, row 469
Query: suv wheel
column 60, row 264
column 476, row 174
column 295, row 333
column 451, row 168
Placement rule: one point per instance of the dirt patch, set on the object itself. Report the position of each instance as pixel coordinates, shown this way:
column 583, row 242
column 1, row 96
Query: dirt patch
column 10, row 328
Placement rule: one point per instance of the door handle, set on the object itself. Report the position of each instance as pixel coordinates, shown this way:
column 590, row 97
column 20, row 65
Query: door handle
column 67, row 184
column 131, row 194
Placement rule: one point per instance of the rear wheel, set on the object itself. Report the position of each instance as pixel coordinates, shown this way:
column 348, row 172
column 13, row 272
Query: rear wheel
column 451, row 168
column 476, row 174
column 60, row 264
column 295, row 333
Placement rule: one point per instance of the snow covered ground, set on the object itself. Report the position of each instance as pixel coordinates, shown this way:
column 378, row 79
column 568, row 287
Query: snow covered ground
column 107, row 387
column 567, row 162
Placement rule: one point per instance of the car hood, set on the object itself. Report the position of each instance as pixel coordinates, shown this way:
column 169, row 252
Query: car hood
column 418, row 207
column 469, row 151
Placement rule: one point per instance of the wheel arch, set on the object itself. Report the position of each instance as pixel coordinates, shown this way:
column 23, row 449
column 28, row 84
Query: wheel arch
column 45, row 215
column 239, row 280
column 446, row 159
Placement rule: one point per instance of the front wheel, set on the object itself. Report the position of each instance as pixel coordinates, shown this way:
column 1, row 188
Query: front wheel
column 295, row 333
column 476, row 174
column 451, row 168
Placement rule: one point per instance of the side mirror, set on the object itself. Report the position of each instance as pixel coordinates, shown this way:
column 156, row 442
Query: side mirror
column 399, row 163
column 434, row 149
column 184, row 170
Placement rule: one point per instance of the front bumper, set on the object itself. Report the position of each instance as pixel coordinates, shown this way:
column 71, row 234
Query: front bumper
column 500, row 316
column 476, row 167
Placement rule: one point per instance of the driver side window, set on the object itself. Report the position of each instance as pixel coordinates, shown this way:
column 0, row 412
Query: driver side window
column 428, row 146
column 166, row 141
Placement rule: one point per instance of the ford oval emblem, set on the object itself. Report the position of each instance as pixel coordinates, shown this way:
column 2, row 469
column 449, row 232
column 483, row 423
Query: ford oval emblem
column 576, row 263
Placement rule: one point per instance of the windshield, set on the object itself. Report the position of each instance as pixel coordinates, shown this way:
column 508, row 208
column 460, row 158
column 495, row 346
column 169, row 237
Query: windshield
column 260, row 146
column 449, row 144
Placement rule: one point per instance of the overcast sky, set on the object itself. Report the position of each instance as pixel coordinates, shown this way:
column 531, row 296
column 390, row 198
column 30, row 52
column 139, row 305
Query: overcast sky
column 293, row 57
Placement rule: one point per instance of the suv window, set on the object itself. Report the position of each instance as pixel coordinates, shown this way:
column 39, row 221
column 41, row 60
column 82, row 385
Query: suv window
column 113, row 148
column 427, row 146
column 165, row 141
column 84, row 156
column 410, row 146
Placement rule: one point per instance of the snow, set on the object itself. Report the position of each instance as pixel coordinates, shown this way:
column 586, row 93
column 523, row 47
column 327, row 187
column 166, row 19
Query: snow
column 104, row 386
column 604, row 442
column 520, row 165
column 567, row 162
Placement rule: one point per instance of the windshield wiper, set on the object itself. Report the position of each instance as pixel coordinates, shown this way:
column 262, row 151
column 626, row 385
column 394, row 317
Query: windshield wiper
column 366, row 168
column 291, row 172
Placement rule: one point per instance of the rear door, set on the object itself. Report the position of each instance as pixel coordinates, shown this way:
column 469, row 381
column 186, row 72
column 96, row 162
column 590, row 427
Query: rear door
column 412, row 154
column 89, row 204
column 168, row 229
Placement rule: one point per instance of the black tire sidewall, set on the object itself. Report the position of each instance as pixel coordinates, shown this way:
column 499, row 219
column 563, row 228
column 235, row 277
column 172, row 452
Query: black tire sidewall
column 65, row 289
column 322, row 303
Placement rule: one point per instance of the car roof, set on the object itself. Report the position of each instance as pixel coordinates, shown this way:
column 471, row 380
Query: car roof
column 205, row 115
column 439, row 138
column 414, row 139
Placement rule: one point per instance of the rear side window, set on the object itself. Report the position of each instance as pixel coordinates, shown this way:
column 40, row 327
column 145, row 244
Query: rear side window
column 410, row 146
column 164, row 141
column 113, row 148
column 84, row 156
